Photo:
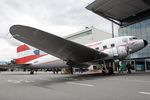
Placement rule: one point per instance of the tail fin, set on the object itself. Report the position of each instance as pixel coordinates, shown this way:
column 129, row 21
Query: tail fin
column 25, row 54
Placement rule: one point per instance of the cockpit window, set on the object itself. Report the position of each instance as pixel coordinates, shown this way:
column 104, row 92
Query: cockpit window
column 133, row 38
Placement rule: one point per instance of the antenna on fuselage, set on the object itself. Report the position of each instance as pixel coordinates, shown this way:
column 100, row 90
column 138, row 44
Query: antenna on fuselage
column 8, row 35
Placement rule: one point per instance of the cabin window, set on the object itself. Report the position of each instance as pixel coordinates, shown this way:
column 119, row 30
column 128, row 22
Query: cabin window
column 104, row 47
column 113, row 45
column 97, row 48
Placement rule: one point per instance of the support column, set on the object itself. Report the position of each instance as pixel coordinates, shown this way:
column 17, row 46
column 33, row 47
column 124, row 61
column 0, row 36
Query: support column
column 145, row 65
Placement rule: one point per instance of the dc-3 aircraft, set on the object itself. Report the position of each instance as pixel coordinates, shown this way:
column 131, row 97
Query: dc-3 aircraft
column 60, row 52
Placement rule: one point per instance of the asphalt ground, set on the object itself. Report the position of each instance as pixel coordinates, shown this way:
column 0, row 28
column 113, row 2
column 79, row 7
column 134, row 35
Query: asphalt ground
column 89, row 86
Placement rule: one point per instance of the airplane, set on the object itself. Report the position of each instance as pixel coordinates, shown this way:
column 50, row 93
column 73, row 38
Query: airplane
column 53, row 51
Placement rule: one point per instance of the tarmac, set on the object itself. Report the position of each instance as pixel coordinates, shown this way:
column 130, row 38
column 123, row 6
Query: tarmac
column 87, row 86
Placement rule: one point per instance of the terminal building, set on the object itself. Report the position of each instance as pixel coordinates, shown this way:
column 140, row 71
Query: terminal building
column 133, row 17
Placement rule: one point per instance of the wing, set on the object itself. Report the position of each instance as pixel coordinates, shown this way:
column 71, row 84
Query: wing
column 59, row 47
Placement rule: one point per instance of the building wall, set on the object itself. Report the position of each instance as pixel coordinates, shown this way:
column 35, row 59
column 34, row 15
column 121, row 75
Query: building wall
column 140, row 30
column 88, row 35
column 100, row 35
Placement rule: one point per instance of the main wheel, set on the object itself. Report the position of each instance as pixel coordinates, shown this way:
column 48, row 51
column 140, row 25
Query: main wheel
column 110, row 70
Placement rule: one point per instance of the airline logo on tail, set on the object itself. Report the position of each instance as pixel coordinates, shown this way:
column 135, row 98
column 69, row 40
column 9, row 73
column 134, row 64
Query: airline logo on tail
column 36, row 52
column 25, row 54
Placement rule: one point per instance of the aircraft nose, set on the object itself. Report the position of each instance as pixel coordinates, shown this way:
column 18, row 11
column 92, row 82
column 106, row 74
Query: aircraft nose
column 145, row 42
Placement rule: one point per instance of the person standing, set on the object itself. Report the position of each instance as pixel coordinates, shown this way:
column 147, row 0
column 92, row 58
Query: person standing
column 121, row 67
column 129, row 67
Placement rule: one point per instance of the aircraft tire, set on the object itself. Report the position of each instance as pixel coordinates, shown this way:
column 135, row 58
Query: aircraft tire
column 110, row 71
column 31, row 72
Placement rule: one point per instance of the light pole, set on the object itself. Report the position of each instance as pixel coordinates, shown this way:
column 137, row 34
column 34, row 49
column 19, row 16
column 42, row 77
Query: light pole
column 112, row 29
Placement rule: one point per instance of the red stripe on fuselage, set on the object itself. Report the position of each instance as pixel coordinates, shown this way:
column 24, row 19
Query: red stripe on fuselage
column 95, row 44
column 26, row 59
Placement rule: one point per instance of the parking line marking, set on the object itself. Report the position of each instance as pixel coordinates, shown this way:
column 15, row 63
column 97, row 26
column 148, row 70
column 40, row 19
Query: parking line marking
column 147, row 93
column 27, row 81
column 43, row 79
column 74, row 83
column 139, row 81
column 13, row 81
column 19, row 81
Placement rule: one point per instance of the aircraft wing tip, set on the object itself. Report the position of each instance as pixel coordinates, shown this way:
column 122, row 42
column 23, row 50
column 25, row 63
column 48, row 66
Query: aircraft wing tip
column 13, row 28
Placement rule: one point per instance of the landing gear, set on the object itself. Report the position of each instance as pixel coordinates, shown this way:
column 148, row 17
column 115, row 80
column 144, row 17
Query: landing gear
column 108, row 68
column 31, row 72
column 103, row 71
column 12, row 70
column 108, row 71
column 71, row 70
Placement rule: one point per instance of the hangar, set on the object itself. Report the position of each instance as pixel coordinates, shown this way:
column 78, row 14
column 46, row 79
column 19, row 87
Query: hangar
column 88, row 35
column 133, row 17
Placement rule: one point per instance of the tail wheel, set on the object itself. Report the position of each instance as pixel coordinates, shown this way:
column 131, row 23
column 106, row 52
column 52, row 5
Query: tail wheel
column 31, row 72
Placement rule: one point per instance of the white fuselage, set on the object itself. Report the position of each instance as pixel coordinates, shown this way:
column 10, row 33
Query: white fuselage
column 115, row 48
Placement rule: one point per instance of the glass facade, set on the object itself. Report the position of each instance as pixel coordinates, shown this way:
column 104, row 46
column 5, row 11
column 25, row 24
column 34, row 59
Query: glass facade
column 140, row 30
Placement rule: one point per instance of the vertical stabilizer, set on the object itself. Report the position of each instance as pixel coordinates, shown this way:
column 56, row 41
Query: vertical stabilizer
column 25, row 54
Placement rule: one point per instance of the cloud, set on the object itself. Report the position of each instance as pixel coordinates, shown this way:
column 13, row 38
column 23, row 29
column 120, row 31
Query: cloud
column 55, row 16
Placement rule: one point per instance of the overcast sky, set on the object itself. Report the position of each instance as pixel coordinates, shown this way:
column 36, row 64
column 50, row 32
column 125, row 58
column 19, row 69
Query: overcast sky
column 60, row 17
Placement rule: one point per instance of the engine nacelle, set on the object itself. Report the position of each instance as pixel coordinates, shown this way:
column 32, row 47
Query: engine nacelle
column 122, row 52
column 116, row 52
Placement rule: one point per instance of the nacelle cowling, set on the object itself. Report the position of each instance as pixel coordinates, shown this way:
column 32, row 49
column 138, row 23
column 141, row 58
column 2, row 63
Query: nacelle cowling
column 116, row 52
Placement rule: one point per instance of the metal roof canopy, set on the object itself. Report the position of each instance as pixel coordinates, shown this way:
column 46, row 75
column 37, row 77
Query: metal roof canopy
column 121, row 12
